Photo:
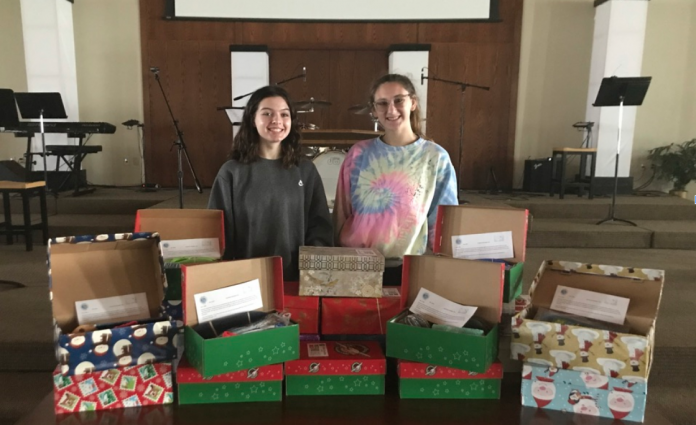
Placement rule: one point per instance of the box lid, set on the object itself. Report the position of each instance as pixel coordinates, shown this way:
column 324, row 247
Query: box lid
column 642, row 286
column 338, row 358
column 341, row 259
column 414, row 370
column 90, row 267
column 466, row 282
column 211, row 276
column 173, row 224
column 186, row 374
column 454, row 220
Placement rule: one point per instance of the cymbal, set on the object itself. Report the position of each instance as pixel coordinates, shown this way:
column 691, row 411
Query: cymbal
column 312, row 103
column 360, row 109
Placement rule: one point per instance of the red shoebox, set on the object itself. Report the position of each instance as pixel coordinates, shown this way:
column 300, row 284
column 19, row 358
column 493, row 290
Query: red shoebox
column 360, row 316
column 304, row 309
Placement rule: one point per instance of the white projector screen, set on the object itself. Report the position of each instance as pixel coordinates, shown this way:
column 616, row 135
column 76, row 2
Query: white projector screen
column 331, row 10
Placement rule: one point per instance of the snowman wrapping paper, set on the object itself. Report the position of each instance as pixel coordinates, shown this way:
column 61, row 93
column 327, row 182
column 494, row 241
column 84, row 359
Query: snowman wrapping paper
column 583, row 390
column 614, row 354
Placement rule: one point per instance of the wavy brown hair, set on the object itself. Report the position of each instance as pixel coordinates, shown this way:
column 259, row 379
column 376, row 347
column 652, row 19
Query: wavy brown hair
column 405, row 82
column 245, row 146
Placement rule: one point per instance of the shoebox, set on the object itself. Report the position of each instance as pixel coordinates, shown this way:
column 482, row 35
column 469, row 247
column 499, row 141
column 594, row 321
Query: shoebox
column 421, row 380
column 263, row 383
column 583, row 390
column 183, row 224
column 132, row 386
column 470, row 283
column 336, row 368
column 88, row 273
column 614, row 354
column 303, row 310
column 351, row 316
column 341, row 272
column 456, row 220
column 212, row 355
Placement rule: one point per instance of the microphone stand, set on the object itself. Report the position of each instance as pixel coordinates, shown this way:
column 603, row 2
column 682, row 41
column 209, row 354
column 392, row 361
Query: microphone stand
column 462, row 86
column 181, row 151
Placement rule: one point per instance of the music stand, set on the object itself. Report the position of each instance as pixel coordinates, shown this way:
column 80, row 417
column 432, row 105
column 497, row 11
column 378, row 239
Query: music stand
column 41, row 106
column 625, row 91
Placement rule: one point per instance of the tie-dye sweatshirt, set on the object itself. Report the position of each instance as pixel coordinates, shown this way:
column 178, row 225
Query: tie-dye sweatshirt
column 387, row 196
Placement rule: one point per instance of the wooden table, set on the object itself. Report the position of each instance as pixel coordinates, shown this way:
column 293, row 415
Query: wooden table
column 336, row 138
column 357, row 410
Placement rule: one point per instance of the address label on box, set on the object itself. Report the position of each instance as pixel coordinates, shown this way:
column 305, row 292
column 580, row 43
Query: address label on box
column 594, row 305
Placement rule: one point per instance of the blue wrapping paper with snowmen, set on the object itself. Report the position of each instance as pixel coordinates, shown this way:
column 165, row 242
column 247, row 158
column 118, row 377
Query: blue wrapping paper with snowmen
column 112, row 286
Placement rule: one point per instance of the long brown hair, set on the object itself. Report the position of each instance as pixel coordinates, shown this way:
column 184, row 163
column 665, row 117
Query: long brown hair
column 415, row 116
column 245, row 146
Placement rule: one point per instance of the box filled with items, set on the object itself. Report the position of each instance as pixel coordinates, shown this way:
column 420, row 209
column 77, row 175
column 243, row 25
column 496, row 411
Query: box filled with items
column 233, row 316
column 454, row 308
column 341, row 272
column 106, row 293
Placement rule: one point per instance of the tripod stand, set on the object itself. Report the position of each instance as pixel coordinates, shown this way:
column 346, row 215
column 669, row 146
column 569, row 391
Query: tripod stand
column 614, row 91
column 181, row 147
column 462, row 87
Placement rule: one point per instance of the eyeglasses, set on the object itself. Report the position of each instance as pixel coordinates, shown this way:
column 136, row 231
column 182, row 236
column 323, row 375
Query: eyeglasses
column 383, row 104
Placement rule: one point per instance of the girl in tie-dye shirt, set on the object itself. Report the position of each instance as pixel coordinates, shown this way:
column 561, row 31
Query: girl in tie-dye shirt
column 389, row 187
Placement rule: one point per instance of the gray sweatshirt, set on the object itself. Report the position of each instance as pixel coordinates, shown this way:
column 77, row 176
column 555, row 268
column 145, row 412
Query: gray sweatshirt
column 270, row 210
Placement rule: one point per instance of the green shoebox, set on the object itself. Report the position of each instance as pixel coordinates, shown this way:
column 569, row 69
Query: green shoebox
column 215, row 356
column 177, row 224
column 421, row 380
column 256, row 384
column 454, row 220
column 472, row 283
column 336, row 368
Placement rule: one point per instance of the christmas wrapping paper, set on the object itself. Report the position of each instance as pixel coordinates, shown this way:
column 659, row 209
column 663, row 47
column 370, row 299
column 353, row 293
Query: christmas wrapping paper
column 583, row 390
column 353, row 316
column 255, row 384
column 341, row 272
column 613, row 354
column 131, row 386
column 303, row 310
column 420, row 380
column 337, row 368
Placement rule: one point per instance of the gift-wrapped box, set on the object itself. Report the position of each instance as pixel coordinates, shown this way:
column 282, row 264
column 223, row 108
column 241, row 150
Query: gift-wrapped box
column 421, row 380
column 583, row 390
column 341, row 272
column 367, row 316
column 256, row 384
column 131, row 386
column 303, row 310
column 87, row 268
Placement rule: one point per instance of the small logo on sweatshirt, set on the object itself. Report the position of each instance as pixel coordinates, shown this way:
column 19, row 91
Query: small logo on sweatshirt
column 300, row 183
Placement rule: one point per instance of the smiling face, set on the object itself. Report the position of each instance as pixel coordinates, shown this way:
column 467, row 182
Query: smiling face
column 392, row 105
column 272, row 121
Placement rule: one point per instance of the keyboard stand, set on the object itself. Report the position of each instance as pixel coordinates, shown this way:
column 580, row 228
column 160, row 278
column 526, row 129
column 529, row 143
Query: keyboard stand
column 78, row 154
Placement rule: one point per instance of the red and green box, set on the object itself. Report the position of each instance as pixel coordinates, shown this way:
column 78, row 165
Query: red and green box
column 256, row 384
column 454, row 220
column 336, row 368
column 303, row 309
column 215, row 356
column 472, row 283
column 421, row 380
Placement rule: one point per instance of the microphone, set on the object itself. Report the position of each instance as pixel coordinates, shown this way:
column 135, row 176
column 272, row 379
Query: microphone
column 154, row 70
column 422, row 75
column 304, row 74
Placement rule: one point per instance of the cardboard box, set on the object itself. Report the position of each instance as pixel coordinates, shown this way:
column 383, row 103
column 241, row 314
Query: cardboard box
column 303, row 310
column 256, row 384
column 355, row 316
column 175, row 224
column 341, row 272
column 459, row 281
column 454, row 220
column 133, row 386
column 611, row 353
column 421, row 380
column 583, row 390
column 216, row 356
column 337, row 368
column 84, row 268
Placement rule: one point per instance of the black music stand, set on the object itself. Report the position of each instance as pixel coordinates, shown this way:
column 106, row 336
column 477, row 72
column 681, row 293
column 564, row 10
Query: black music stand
column 625, row 91
column 41, row 106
